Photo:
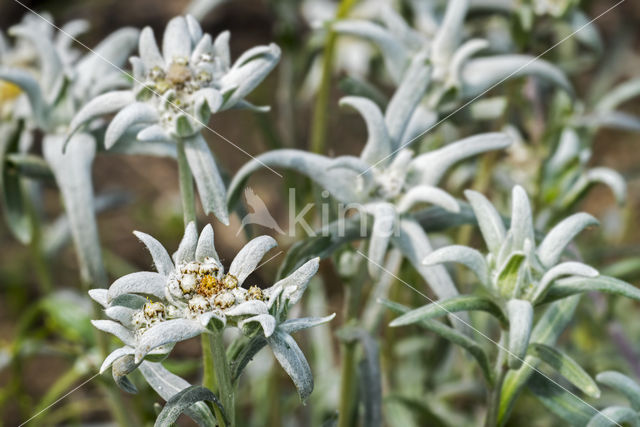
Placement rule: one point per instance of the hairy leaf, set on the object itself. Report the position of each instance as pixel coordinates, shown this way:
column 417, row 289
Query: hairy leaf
column 566, row 366
column 451, row 305
column 182, row 400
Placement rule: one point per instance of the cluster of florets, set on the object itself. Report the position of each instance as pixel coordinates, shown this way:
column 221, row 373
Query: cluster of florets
column 151, row 314
column 193, row 289
column 390, row 181
column 174, row 86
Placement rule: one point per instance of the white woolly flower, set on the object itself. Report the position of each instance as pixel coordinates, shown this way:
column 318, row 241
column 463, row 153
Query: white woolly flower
column 151, row 311
column 176, row 89
column 387, row 180
column 174, row 92
column 518, row 274
column 54, row 81
column 438, row 39
column 515, row 266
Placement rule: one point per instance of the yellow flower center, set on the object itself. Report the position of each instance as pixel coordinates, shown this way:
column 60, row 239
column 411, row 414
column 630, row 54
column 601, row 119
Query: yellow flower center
column 8, row 92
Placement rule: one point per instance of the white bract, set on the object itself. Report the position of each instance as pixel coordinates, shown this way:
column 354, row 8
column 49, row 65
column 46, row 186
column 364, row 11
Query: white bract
column 192, row 293
column 386, row 181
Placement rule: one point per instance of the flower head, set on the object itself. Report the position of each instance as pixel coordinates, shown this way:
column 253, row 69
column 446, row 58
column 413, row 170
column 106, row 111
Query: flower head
column 192, row 293
column 440, row 38
column 518, row 274
column 55, row 79
column 173, row 94
column 387, row 179
column 516, row 267
column 176, row 89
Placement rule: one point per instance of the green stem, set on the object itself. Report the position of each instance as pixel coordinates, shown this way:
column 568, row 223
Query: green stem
column 186, row 186
column 41, row 266
column 348, row 383
column 218, row 374
column 321, row 107
column 209, row 375
column 493, row 401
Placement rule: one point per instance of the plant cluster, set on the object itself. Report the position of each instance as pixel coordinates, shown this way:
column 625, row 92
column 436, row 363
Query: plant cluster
column 456, row 102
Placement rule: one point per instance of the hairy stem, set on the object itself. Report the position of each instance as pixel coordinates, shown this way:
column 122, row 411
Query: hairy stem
column 41, row 265
column 348, row 385
column 493, row 399
column 215, row 360
column 186, row 186
column 321, row 107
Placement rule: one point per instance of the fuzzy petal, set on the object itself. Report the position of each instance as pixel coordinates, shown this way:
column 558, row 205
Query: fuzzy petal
column 195, row 31
column 565, row 269
column 141, row 282
column 99, row 296
column 560, row 236
column 343, row 184
column 249, row 75
column 378, row 146
column 463, row 255
column 248, row 308
column 121, row 314
column 113, row 356
column 206, row 246
column 267, row 321
column 450, row 31
column 480, row 74
column 205, row 318
column 427, row 194
column 202, row 47
column 154, row 133
column 115, row 328
column 294, row 285
column 521, row 218
column 221, row 48
column 176, row 40
column 406, row 98
column 489, row 220
column 396, row 56
column 102, row 104
column 107, row 58
column 51, row 72
column 293, row 325
column 429, row 168
column 130, row 115
column 148, row 49
column 415, row 245
column 159, row 254
column 187, row 249
column 167, row 332
column 30, row 87
column 249, row 256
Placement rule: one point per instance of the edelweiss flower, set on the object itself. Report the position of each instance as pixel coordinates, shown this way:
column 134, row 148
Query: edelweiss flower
column 439, row 41
column 62, row 81
column 53, row 86
column 386, row 180
column 175, row 92
column 193, row 293
column 517, row 273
